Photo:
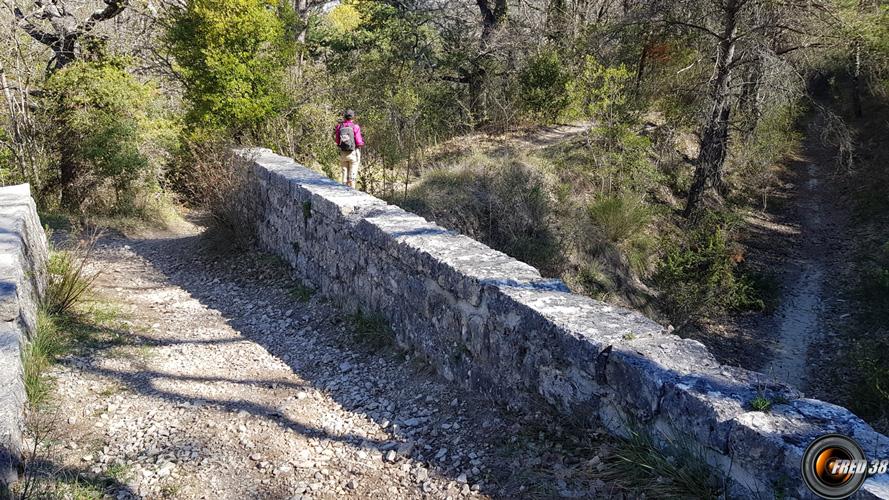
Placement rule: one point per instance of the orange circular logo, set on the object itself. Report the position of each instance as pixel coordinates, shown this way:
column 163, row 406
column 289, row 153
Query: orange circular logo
column 834, row 466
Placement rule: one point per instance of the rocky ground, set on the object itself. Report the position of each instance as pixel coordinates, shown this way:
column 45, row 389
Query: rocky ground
column 213, row 375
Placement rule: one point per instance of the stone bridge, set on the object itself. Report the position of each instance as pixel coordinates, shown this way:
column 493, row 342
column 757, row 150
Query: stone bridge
column 489, row 324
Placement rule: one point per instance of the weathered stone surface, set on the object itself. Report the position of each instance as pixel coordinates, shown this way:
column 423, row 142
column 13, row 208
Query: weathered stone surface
column 23, row 256
column 493, row 324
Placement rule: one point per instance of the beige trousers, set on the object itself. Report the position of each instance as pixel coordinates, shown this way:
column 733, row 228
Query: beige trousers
column 349, row 163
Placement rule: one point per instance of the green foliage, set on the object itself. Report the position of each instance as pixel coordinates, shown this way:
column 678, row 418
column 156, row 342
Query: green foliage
column 773, row 139
column 543, row 85
column 68, row 280
column 700, row 275
column 231, row 56
column 603, row 93
column 613, row 161
column 107, row 128
column 760, row 403
column 619, row 218
column 868, row 355
column 47, row 342
column 372, row 330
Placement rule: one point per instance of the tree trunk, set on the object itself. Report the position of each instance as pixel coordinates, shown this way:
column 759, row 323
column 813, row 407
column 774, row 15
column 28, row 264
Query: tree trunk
column 714, row 137
column 302, row 10
column 640, row 66
column 491, row 22
column 557, row 21
column 856, row 80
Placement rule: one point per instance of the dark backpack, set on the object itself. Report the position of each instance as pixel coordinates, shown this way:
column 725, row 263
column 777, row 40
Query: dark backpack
column 347, row 138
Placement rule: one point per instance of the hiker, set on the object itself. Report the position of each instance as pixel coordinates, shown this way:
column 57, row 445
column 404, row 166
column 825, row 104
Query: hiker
column 347, row 136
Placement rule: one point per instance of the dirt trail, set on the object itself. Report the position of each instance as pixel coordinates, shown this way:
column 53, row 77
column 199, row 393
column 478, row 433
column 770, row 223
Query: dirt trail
column 810, row 290
column 215, row 382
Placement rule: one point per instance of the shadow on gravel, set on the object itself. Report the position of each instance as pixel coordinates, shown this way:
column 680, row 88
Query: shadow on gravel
column 466, row 438
column 144, row 382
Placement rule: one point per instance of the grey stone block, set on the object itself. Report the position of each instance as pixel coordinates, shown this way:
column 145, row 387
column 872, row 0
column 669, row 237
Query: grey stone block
column 23, row 258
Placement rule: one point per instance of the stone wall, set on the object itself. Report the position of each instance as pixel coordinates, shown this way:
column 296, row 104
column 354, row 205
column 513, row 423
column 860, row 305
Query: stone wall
column 23, row 258
column 493, row 324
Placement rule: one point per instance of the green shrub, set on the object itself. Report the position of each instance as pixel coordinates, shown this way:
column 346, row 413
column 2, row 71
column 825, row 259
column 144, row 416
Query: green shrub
column 620, row 217
column 543, row 84
column 700, row 275
column 231, row 56
column 111, row 140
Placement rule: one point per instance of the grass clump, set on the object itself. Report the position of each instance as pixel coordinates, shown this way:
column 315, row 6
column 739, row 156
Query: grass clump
column 372, row 330
column 638, row 466
column 502, row 201
column 68, row 279
column 47, row 342
column 760, row 403
column 67, row 285
column 868, row 355
column 619, row 217
column 301, row 293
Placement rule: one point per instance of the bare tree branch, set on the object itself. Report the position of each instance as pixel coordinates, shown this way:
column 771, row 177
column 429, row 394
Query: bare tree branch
column 112, row 9
column 33, row 31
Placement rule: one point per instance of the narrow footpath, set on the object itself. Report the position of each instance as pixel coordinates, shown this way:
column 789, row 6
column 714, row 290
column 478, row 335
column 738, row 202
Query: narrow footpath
column 213, row 380
column 814, row 241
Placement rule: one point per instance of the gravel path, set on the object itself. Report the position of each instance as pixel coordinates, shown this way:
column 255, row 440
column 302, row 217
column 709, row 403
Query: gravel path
column 799, row 318
column 216, row 382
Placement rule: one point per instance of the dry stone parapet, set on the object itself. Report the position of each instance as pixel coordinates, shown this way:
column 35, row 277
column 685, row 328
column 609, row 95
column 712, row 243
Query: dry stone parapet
column 493, row 324
column 23, row 259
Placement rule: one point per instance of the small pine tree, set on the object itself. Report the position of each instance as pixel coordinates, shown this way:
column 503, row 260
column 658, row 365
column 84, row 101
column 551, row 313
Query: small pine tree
column 231, row 56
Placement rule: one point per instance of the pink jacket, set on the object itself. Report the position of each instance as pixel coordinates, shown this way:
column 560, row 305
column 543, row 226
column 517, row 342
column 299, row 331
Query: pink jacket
column 359, row 141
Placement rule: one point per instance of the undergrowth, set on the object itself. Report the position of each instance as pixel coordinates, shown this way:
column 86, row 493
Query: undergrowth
column 301, row 293
column 702, row 273
column 869, row 353
column 67, row 277
column 641, row 468
column 372, row 330
column 47, row 342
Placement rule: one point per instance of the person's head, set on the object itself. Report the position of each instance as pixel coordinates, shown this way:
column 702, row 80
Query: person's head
column 348, row 114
